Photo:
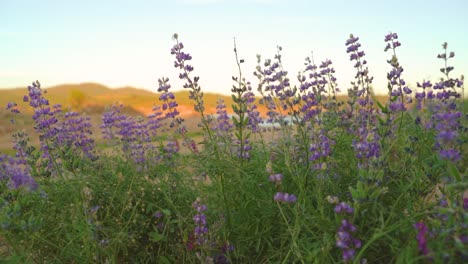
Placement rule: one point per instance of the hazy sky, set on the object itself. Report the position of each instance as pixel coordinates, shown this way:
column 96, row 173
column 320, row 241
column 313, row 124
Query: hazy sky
column 119, row 43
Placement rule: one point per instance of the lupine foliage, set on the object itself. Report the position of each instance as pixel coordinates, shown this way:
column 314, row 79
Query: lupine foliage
column 316, row 180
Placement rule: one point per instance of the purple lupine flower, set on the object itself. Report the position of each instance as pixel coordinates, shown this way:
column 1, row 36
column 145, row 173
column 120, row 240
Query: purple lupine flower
column 278, row 197
column 344, row 208
column 284, row 197
column 321, row 146
column 362, row 86
column 131, row 132
column 169, row 106
column 443, row 202
column 223, row 124
column 421, row 237
column 328, row 79
column 12, row 107
column 313, row 89
column 75, row 132
column 45, row 118
column 253, row 115
column 289, row 198
column 446, row 123
column 243, row 150
column 275, row 88
column 16, row 173
column 366, row 144
column 446, row 119
column 276, row 178
column 169, row 111
column 158, row 214
column 155, row 120
column 171, row 148
column 366, row 147
column 201, row 230
column 397, row 89
column 195, row 93
column 346, row 242
column 111, row 119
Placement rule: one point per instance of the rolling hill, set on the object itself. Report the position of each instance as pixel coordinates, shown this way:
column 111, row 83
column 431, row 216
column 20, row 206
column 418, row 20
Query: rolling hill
column 95, row 97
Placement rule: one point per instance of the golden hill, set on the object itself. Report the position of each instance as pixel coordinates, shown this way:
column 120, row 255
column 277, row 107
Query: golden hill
column 95, row 97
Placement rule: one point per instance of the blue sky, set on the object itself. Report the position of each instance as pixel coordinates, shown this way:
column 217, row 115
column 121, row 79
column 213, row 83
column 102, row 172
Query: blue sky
column 119, row 43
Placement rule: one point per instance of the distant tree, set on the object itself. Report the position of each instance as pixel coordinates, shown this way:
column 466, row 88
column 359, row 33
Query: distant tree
column 77, row 99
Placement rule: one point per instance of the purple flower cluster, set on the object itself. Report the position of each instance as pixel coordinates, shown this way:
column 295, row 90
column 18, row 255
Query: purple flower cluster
column 169, row 105
column 155, row 120
column 284, row 197
column 171, row 148
column 223, row 124
column 361, row 87
column 45, row 118
column 346, row 242
column 131, row 132
column 276, row 178
column 44, row 115
column 111, row 120
column 195, row 92
column 344, row 208
column 320, row 149
column 75, row 133
column 243, row 150
column 445, row 118
column 421, row 96
column 396, row 84
column 449, row 225
column 345, row 239
column 201, row 229
column 273, row 83
column 275, row 79
column 12, row 107
column 16, row 173
column 317, row 88
column 362, row 74
column 421, row 237
column 311, row 89
column 181, row 62
column 21, row 145
column 253, row 115
column 366, row 144
column 327, row 71
column 366, row 147
column 281, row 196
column 58, row 132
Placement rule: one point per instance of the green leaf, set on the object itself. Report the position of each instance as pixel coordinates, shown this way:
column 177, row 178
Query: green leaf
column 453, row 171
column 234, row 98
column 166, row 212
column 235, row 108
column 156, row 236
column 382, row 107
column 163, row 260
column 381, row 121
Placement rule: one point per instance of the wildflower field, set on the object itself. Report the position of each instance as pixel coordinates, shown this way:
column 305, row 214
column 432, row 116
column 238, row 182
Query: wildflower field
column 318, row 179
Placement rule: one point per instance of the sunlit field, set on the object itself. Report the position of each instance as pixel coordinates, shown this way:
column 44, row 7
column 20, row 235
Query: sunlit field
column 286, row 170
